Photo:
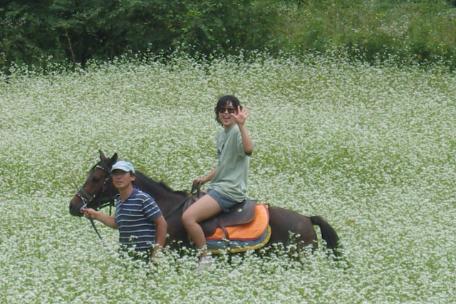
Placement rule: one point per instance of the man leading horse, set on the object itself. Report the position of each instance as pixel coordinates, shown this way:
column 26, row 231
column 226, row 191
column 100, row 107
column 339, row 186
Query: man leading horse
column 142, row 227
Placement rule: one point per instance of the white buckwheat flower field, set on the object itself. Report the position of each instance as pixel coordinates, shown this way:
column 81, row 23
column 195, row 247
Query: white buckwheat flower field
column 372, row 149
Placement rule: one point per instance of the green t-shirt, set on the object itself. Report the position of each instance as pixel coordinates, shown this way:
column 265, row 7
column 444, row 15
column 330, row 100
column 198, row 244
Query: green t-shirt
column 232, row 165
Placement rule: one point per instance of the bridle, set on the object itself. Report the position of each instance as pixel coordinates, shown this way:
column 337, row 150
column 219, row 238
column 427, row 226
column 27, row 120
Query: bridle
column 87, row 198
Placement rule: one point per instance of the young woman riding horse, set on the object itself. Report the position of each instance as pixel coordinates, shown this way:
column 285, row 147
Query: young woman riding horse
column 98, row 189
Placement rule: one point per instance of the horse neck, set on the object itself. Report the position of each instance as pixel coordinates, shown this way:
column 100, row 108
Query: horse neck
column 165, row 198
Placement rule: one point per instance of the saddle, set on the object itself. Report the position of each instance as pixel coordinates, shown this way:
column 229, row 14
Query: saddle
column 240, row 214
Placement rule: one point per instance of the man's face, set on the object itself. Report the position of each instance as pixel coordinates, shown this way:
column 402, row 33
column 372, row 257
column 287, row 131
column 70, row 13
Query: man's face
column 122, row 179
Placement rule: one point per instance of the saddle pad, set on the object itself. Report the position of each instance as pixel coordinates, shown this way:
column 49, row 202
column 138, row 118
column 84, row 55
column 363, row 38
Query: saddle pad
column 221, row 246
column 249, row 231
column 241, row 214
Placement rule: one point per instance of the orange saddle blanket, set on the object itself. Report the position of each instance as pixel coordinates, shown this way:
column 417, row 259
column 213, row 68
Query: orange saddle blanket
column 245, row 232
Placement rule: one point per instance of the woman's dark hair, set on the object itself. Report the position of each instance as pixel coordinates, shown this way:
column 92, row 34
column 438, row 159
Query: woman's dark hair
column 222, row 103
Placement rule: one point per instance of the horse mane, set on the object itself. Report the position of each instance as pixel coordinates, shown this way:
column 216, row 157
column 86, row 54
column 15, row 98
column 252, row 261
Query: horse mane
column 162, row 184
column 171, row 190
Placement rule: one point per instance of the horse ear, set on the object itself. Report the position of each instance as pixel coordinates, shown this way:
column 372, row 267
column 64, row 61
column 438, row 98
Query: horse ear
column 114, row 158
column 102, row 156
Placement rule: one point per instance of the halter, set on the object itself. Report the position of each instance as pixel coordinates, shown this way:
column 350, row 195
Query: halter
column 88, row 198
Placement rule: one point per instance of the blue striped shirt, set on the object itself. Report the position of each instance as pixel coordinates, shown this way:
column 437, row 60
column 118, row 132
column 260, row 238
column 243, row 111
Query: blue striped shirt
column 135, row 220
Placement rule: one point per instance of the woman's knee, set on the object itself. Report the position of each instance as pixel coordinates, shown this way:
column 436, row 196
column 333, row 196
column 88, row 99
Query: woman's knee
column 187, row 218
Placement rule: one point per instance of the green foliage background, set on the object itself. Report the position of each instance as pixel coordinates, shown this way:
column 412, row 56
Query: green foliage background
column 75, row 31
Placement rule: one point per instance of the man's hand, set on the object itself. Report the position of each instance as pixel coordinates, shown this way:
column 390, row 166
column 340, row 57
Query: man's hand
column 90, row 213
column 100, row 216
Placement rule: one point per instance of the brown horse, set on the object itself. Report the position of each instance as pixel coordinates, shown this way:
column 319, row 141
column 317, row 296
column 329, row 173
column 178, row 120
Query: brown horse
column 98, row 191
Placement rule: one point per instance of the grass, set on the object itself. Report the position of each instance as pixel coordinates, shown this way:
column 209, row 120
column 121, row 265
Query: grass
column 370, row 148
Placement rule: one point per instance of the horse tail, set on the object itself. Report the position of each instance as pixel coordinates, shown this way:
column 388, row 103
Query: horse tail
column 327, row 233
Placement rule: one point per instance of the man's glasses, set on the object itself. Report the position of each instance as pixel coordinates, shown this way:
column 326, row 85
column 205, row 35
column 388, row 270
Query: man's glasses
column 229, row 110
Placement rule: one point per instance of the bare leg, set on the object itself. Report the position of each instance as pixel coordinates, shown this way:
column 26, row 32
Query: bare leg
column 201, row 210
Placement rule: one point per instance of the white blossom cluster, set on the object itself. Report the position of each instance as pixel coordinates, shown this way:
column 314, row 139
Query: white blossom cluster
column 370, row 148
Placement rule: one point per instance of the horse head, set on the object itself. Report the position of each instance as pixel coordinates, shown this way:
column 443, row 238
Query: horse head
column 97, row 188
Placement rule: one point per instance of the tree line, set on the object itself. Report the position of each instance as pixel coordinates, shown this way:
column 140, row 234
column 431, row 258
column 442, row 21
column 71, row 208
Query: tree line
column 79, row 30
column 36, row 32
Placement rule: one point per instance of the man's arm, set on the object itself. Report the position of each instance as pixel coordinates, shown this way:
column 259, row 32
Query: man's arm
column 162, row 228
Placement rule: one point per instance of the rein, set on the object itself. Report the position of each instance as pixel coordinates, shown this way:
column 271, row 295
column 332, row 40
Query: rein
column 88, row 198
column 195, row 191
column 178, row 206
column 95, row 228
column 92, row 222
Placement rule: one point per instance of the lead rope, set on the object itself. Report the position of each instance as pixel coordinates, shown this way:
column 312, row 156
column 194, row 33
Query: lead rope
column 103, row 244
column 96, row 230
column 92, row 222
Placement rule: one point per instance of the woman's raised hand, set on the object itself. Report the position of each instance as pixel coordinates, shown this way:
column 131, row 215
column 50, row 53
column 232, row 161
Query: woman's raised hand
column 240, row 116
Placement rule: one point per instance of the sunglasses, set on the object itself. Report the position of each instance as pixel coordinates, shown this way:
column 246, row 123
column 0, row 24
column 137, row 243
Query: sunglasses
column 229, row 110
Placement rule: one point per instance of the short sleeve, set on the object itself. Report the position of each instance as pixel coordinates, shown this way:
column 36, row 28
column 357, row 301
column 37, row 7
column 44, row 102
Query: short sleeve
column 151, row 209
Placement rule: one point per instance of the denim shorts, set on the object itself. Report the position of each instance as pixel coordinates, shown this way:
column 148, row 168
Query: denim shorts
column 224, row 202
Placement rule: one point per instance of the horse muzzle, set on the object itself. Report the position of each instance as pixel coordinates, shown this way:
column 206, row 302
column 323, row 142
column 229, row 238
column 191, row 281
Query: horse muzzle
column 75, row 206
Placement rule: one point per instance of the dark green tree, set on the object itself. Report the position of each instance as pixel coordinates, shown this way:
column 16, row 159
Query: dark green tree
column 79, row 30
